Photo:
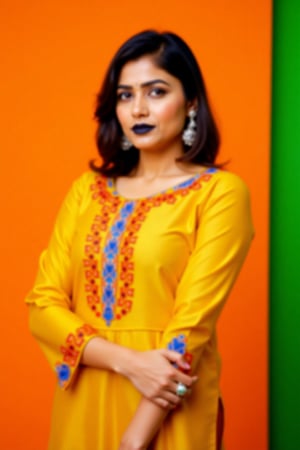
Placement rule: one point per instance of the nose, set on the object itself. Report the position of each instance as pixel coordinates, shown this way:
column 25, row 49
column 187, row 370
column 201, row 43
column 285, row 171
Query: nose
column 139, row 106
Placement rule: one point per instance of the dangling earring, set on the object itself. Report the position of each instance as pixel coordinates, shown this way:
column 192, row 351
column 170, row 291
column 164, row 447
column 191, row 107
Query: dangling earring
column 125, row 143
column 189, row 134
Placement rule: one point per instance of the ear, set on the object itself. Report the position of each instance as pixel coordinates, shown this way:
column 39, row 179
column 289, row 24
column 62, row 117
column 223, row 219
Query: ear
column 192, row 104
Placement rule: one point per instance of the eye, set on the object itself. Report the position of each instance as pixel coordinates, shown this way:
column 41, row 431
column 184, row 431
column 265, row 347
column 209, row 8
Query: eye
column 157, row 92
column 124, row 95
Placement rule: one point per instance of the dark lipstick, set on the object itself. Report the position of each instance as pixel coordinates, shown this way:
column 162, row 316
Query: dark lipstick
column 142, row 128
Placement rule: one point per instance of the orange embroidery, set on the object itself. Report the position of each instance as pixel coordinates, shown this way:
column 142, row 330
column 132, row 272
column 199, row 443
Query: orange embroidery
column 110, row 275
column 71, row 352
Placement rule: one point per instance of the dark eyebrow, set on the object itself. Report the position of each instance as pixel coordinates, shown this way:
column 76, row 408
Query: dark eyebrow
column 148, row 83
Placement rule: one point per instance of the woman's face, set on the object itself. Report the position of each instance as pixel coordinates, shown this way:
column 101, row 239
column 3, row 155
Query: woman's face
column 151, row 106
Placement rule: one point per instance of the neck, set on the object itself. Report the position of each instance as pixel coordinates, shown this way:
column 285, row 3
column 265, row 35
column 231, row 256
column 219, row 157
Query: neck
column 153, row 165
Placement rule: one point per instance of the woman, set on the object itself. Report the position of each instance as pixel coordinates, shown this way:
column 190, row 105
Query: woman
column 143, row 255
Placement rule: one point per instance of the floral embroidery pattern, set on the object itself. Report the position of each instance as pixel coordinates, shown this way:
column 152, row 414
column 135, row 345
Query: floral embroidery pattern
column 63, row 372
column 109, row 260
column 71, row 352
column 118, row 223
column 108, row 207
column 178, row 344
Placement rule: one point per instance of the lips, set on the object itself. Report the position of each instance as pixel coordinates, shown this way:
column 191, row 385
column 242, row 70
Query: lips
column 142, row 128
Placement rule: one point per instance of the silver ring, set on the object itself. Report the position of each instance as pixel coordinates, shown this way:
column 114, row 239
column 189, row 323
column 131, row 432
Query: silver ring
column 181, row 389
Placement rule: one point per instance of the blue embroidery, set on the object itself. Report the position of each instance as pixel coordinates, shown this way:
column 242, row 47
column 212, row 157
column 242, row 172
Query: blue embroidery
column 109, row 272
column 63, row 372
column 188, row 183
column 108, row 295
column 178, row 344
column 118, row 228
column 111, row 251
column 127, row 209
column 115, row 258
column 211, row 170
column 108, row 314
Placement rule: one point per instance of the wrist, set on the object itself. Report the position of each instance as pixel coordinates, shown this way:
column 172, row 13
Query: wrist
column 124, row 363
column 107, row 355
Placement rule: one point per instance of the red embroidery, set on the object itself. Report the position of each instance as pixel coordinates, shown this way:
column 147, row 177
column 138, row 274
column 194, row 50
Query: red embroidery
column 74, row 343
column 110, row 279
column 71, row 353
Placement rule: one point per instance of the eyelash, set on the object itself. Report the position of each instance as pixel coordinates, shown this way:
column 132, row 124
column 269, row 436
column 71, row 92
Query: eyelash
column 123, row 95
column 157, row 91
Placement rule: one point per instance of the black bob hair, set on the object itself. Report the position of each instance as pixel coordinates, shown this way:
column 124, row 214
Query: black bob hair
column 172, row 54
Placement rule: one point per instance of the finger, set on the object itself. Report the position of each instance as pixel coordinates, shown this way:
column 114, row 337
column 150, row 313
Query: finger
column 171, row 395
column 174, row 386
column 161, row 402
column 186, row 379
column 170, row 401
column 175, row 400
column 176, row 358
column 182, row 364
column 172, row 356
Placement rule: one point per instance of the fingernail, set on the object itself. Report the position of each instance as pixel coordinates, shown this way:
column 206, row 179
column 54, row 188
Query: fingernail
column 186, row 365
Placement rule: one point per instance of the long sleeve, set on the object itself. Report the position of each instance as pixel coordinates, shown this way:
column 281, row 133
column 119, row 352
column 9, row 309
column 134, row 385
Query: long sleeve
column 223, row 238
column 60, row 333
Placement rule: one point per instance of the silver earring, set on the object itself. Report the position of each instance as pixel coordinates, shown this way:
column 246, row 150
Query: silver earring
column 189, row 134
column 125, row 143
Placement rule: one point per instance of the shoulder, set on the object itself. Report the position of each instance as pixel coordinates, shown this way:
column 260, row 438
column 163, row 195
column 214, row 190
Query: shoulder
column 87, row 182
column 223, row 182
column 82, row 189
column 225, row 194
column 86, row 179
column 227, row 201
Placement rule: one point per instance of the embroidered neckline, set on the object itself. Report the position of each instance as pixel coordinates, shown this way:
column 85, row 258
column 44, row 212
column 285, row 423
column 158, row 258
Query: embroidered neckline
column 111, row 185
column 110, row 244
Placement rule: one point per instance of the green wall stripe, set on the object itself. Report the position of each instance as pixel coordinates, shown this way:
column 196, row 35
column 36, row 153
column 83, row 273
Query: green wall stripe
column 285, row 230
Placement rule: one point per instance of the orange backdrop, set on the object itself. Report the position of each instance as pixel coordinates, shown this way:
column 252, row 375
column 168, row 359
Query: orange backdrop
column 53, row 58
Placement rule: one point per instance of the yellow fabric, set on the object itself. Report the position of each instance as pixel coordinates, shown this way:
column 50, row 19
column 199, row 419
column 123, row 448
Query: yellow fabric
column 146, row 274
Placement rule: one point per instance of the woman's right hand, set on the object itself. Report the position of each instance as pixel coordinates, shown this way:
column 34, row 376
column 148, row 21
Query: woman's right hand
column 154, row 373
column 155, row 376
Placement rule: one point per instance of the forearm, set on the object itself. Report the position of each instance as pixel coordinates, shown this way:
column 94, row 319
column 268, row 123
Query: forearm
column 152, row 372
column 144, row 426
column 106, row 355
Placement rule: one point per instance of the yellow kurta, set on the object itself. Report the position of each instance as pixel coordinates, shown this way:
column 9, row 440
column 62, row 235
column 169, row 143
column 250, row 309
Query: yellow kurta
column 146, row 273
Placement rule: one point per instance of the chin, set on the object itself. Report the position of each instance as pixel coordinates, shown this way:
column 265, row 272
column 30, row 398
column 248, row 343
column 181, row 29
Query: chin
column 146, row 145
column 149, row 148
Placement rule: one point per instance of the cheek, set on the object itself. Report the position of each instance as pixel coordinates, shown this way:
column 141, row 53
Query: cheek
column 121, row 116
column 174, row 111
